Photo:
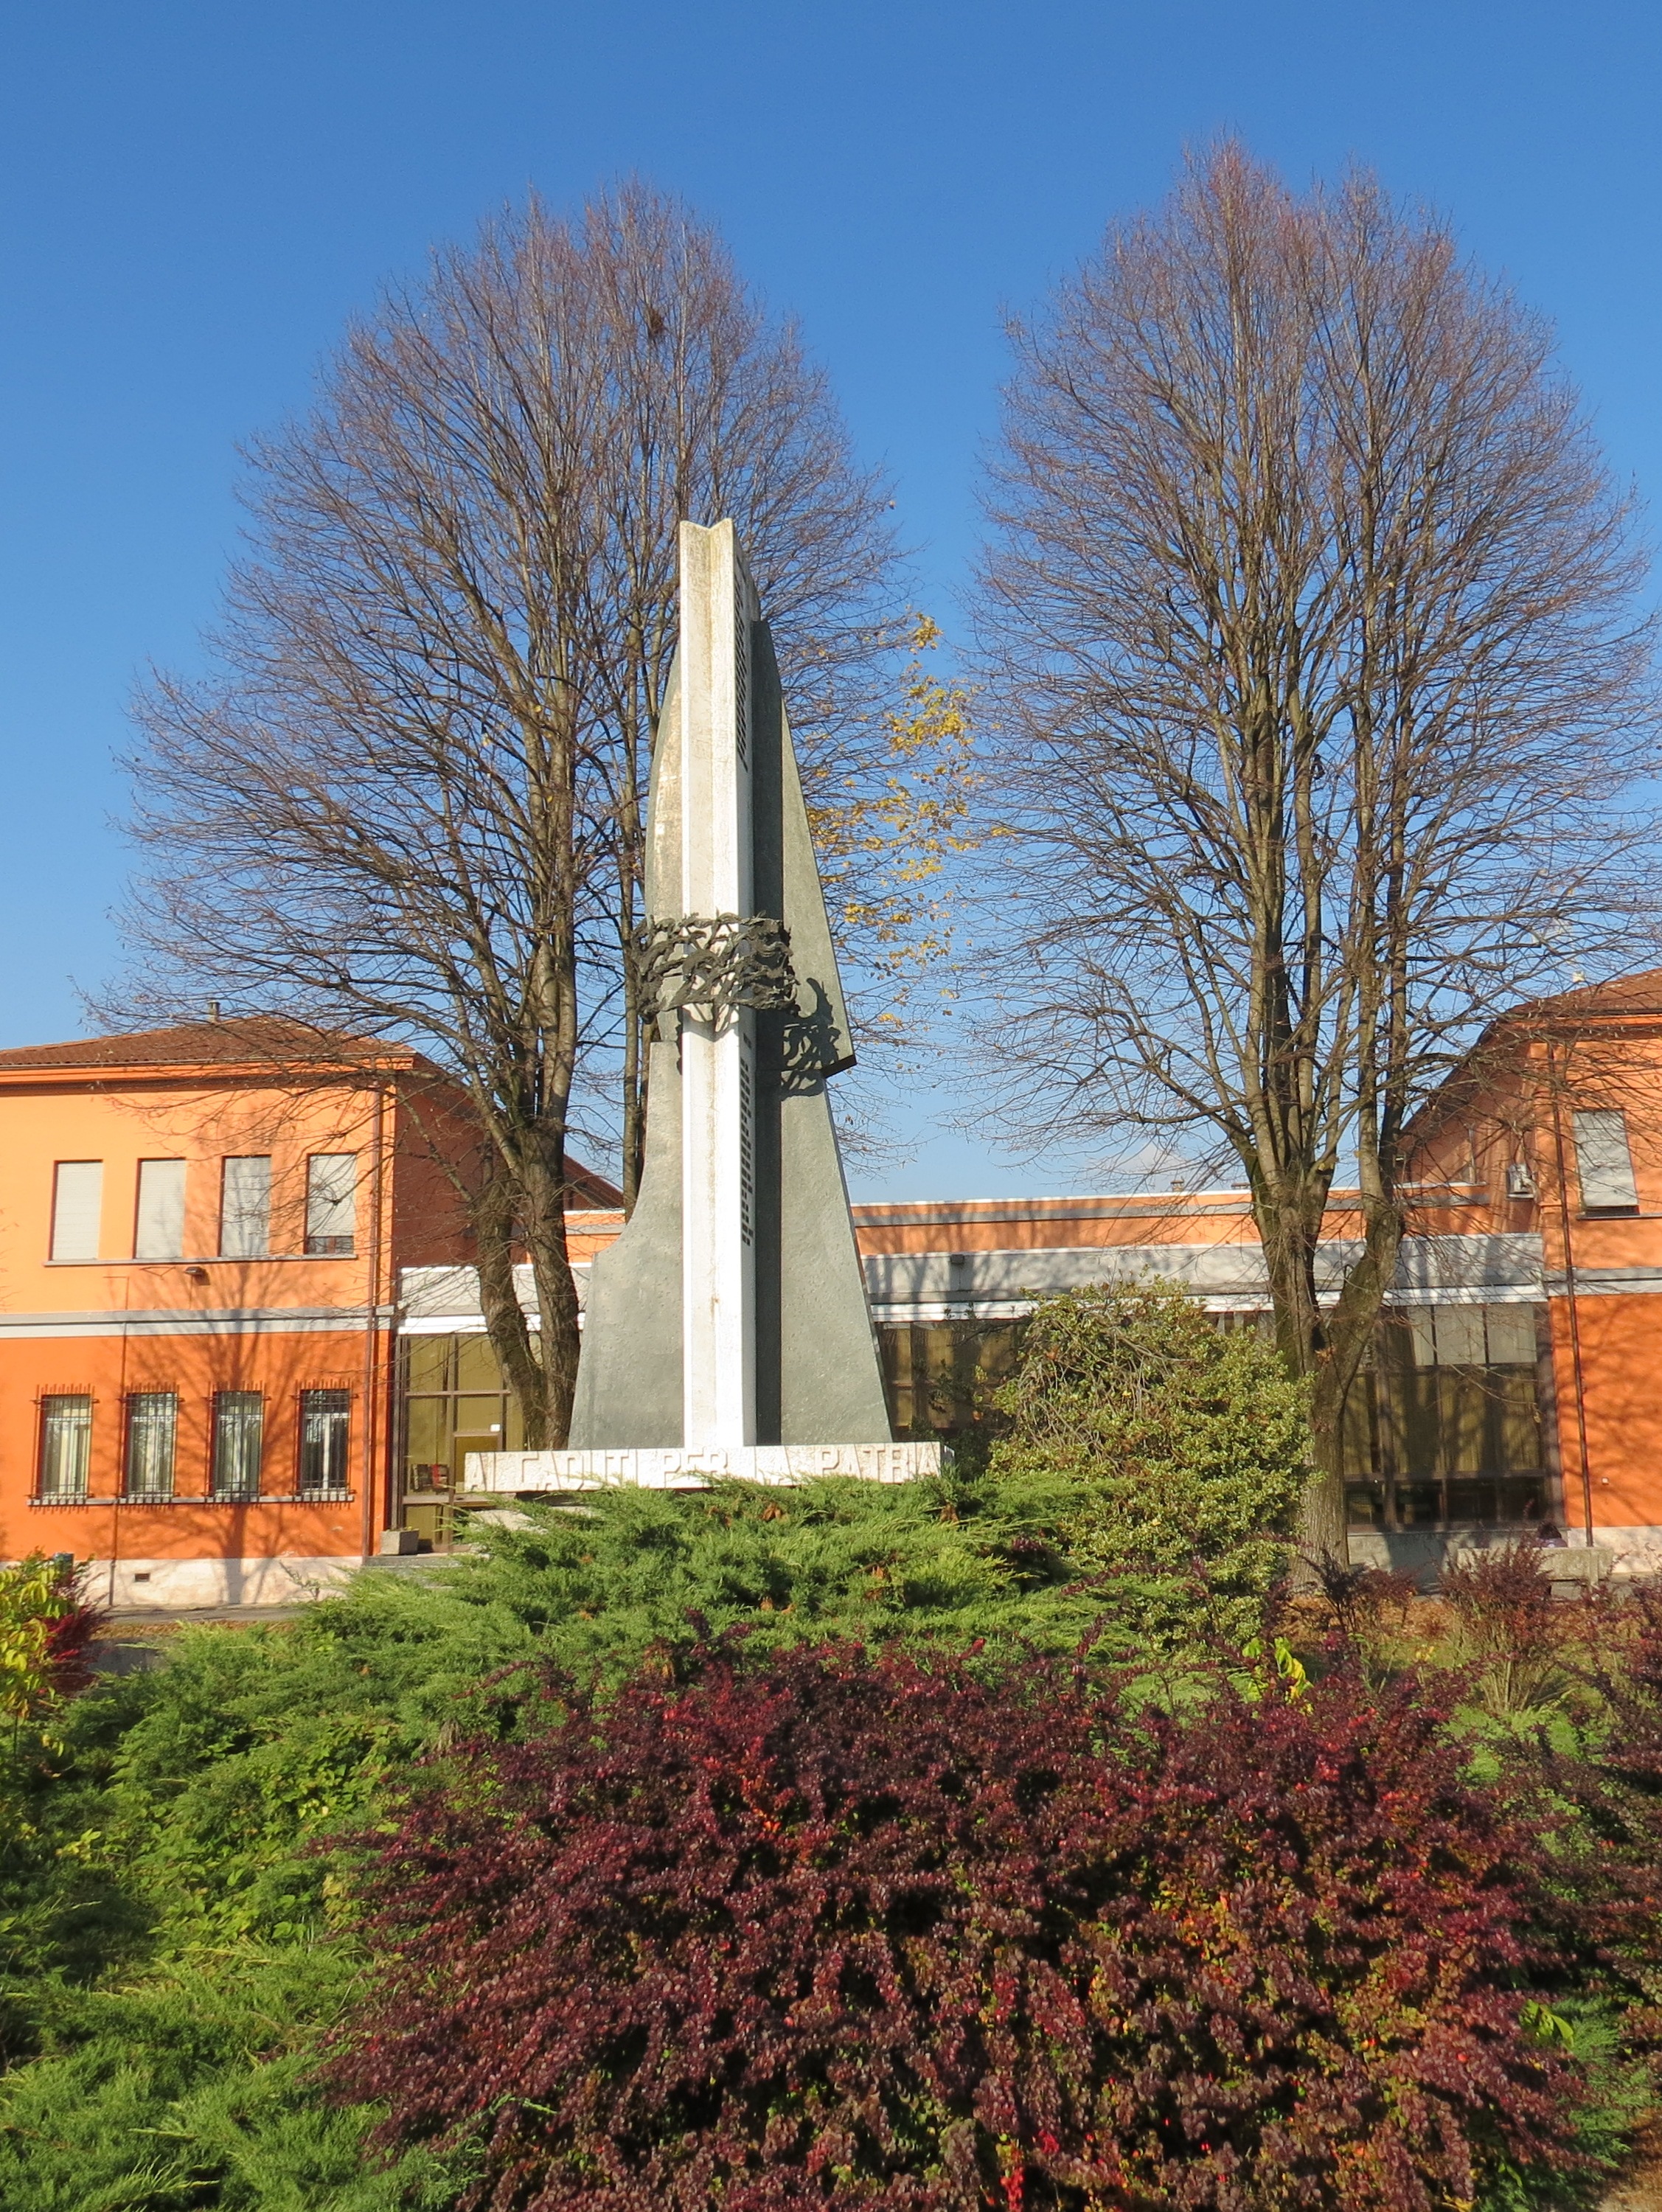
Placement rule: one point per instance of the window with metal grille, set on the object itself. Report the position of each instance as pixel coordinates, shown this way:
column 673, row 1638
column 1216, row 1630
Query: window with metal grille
column 331, row 1204
column 325, row 1419
column 245, row 1210
column 152, row 1429
column 65, row 1444
column 239, row 1432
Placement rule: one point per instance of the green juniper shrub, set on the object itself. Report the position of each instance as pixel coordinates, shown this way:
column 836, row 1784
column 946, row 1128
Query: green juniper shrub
column 173, row 1945
column 194, row 2091
column 950, row 1560
column 1163, row 1452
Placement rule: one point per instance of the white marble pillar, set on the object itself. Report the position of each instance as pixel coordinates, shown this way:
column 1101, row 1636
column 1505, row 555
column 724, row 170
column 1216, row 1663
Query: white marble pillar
column 718, row 1058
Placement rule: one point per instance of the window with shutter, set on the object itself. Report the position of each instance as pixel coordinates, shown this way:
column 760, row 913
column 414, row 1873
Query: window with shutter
column 160, row 1230
column 1603, row 1165
column 77, row 1195
column 245, row 1211
column 331, row 1204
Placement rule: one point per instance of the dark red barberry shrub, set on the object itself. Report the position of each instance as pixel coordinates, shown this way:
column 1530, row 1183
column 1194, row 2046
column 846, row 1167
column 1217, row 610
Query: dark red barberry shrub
column 825, row 1930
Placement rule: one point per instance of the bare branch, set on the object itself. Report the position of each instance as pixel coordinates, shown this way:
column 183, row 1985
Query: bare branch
column 411, row 802
column 1310, row 618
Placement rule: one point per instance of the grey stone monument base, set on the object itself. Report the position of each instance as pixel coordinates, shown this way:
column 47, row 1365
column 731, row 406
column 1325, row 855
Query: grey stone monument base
column 671, row 1468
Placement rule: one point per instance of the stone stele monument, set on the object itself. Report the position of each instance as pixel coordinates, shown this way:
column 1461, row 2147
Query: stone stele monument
column 726, row 1332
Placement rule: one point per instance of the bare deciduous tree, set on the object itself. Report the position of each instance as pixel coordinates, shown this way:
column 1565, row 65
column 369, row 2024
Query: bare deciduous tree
column 1310, row 618
column 411, row 800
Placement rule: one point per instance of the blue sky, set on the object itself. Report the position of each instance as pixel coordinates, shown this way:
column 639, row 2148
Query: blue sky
column 194, row 196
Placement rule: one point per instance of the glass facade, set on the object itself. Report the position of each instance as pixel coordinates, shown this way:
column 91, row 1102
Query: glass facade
column 1444, row 1431
column 455, row 1402
column 939, row 1375
column 1445, row 1428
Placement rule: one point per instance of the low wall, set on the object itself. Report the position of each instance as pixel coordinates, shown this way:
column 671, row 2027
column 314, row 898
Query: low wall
column 1625, row 1554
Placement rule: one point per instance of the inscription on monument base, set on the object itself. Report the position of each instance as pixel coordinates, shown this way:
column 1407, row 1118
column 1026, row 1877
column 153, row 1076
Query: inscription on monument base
column 671, row 1468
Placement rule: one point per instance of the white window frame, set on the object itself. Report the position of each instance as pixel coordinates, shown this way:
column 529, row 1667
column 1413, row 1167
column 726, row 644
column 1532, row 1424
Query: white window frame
column 77, row 1206
column 70, row 1443
column 245, row 1206
column 237, row 1446
column 326, row 1435
column 331, row 1183
column 159, row 1223
column 150, row 1446
column 1603, row 1162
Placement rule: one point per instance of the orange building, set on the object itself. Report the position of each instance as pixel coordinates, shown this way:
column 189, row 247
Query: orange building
column 1555, row 1124
column 201, row 1233
column 1516, row 1380
column 240, row 1338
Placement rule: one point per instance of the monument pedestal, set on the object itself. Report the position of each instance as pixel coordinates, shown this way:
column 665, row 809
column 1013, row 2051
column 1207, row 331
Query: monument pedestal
column 542, row 1474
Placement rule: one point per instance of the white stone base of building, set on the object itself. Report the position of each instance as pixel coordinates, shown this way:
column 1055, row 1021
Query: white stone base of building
column 1636, row 1551
column 666, row 1467
column 181, row 1585
column 1616, row 1554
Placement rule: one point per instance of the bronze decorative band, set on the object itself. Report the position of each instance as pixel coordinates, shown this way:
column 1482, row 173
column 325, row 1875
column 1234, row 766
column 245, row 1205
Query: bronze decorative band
column 710, row 963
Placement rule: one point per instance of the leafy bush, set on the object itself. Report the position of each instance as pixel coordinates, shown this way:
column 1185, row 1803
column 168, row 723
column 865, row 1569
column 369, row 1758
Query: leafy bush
column 1558, row 1709
column 1171, row 1451
column 45, row 1634
column 1361, row 1615
column 823, row 1929
column 1508, row 1629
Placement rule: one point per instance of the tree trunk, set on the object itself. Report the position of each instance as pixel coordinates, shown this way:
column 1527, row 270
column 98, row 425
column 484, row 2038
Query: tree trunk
column 1290, row 1239
column 1349, row 1336
column 494, row 1213
column 543, row 1223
